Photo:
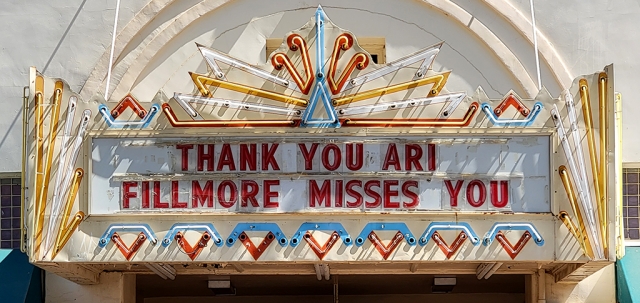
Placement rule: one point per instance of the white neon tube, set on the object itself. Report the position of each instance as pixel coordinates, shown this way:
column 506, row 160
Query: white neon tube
column 84, row 123
column 211, row 56
column 529, row 227
column 454, row 98
column 57, row 199
column 576, row 139
column 585, row 199
column 427, row 54
column 184, row 101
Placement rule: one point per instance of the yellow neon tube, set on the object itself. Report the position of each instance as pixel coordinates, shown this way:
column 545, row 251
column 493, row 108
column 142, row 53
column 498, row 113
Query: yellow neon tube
column 201, row 81
column 66, row 230
column 44, row 185
column 39, row 122
column 438, row 82
column 571, row 194
column 588, row 121
column 602, row 205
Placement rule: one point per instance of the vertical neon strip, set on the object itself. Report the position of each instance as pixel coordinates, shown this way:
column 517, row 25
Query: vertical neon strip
column 66, row 230
column 584, row 198
column 62, row 158
column 588, row 121
column 53, row 129
column 571, row 195
column 571, row 110
column 39, row 129
column 603, row 112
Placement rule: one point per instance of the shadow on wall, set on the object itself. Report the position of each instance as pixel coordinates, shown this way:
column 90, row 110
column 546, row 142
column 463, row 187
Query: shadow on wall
column 628, row 270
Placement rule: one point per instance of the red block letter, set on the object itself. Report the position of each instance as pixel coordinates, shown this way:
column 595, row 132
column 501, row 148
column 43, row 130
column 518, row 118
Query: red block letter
column 453, row 192
column 175, row 202
column 127, row 194
column 268, row 193
column 389, row 193
column 412, row 155
column 337, row 157
column 185, row 154
column 248, row 157
column 233, row 194
column 204, row 195
column 504, row 193
column 267, row 156
column 391, row 158
column 208, row 156
column 357, row 164
column 248, row 191
column 308, row 154
column 471, row 193
column 320, row 194
column 410, row 194
column 368, row 190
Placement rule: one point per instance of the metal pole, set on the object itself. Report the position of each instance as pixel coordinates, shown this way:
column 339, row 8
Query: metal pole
column 113, row 43
column 535, row 43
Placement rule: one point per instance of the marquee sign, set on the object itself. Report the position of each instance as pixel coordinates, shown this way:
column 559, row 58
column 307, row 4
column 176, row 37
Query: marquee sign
column 319, row 154
column 297, row 175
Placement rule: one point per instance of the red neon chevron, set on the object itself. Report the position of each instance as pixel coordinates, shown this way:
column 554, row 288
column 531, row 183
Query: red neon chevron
column 321, row 251
column 511, row 100
column 194, row 251
column 128, row 102
column 386, row 250
column 256, row 252
column 513, row 250
column 449, row 251
column 128, row 251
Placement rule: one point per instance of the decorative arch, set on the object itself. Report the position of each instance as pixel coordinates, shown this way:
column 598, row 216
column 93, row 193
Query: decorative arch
column 133, row 50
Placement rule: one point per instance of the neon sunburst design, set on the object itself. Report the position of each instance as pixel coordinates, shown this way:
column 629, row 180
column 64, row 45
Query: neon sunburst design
column 321, row 86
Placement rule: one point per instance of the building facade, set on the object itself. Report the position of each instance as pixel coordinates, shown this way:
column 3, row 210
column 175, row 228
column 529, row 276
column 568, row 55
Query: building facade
column 406, row 150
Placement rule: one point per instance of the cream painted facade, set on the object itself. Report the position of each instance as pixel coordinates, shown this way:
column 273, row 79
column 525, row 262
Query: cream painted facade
column 487, row 44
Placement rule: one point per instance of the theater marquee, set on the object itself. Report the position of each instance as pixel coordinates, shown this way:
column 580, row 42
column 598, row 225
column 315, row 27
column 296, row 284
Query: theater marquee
column 319, row 155
column 294, row 175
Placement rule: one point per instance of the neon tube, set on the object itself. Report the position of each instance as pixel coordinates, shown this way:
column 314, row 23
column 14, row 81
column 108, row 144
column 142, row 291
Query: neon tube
column 66, row 230
column 144, row 228
column 171, row 116
column 206, row 227
column 320, row 92
column 584, row 198
column 513, row 226
column 568, row 187
column 395, row 105
column 279, row 60
column 462, row 122
column 428, row 55
column 185, row 99
column 211, row 56
column 537, row 108
column 62, row 158
column 39, row 142
column 438, row 82
column 603, row 110
column 201, row 80
column 133, row 124
column 588, row 121
column 53, row 129
column 359, row 61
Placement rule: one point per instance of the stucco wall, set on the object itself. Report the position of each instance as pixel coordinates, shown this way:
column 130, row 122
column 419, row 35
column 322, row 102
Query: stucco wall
column 66, row 39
